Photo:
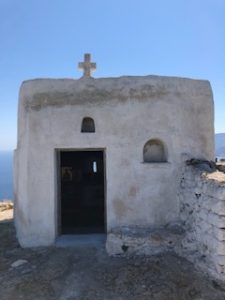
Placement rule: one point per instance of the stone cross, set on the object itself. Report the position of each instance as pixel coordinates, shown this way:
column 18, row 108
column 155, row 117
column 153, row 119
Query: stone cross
column 87, row 66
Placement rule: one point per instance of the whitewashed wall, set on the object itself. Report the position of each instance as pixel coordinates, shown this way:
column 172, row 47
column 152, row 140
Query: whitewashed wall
column 127, row 111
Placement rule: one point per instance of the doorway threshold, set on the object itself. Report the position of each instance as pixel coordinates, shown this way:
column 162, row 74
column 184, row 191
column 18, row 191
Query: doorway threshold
column 81, row 240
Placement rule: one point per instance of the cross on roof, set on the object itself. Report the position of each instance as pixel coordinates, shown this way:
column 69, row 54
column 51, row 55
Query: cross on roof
column 87, row 66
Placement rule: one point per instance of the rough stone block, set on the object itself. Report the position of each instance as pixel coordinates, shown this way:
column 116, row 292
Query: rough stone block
column 214, row 190
column 141, row 241
column 220, row 268
column 219, row 233
column 219, row 259
column 221, row 221
column 212, row 204
column 218, row 221
column 218, row 246
column 219, row 208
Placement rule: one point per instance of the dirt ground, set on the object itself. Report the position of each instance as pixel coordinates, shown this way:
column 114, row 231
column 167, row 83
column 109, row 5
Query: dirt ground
column 88, row 273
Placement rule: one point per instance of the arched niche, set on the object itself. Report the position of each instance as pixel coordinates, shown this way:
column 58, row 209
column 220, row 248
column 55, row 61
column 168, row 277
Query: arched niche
column 88, row 125
column 154, row 152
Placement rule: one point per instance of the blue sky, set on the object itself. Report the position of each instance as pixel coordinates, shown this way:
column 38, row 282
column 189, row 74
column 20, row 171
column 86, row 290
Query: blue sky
column 47, row 38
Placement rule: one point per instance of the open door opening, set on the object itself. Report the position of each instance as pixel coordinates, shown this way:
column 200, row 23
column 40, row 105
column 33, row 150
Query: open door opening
column 82, row 203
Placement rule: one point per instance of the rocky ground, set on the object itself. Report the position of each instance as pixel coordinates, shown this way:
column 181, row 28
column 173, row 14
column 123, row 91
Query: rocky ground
column 87, row 272
column 6, row 211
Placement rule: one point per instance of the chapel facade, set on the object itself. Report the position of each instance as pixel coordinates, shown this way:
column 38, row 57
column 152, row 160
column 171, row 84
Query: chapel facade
column 100, row 155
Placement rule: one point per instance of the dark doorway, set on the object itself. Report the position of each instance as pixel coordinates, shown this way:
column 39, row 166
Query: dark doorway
column 82, row 192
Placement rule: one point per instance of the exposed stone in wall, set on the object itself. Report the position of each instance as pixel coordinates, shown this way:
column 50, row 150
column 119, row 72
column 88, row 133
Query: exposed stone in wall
column 143, row 241
column 202, row 212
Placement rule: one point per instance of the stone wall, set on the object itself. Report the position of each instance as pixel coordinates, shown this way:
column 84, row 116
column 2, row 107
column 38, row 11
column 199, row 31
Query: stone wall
column 202, row 212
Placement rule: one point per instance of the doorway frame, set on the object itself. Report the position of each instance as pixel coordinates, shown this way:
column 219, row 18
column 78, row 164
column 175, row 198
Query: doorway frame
column 58, row 151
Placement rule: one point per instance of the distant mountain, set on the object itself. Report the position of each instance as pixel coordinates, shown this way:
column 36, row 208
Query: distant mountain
column 220, row 144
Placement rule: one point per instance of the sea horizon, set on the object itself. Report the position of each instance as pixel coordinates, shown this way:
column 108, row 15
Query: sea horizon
column 6, row 175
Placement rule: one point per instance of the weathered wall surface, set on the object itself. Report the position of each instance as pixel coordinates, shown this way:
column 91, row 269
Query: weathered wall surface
column 127, row 111
column 202, row 198
column 136, row 240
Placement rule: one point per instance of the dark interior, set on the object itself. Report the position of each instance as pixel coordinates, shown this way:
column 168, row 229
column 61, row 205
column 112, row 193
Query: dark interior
column 82, row 192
